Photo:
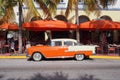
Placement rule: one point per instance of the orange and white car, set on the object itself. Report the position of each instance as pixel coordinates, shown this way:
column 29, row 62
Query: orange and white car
column 61, row 48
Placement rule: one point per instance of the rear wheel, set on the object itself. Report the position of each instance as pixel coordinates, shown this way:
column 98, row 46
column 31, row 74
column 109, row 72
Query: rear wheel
column 37, row 56
column 79, row 57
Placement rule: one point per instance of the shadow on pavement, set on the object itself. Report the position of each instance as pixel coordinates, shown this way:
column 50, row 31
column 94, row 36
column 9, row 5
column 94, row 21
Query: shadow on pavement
column 61, row 59
column 56, row 76
column 1, row 76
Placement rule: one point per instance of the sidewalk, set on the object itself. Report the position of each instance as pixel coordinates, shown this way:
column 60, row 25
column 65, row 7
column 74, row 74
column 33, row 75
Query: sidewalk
column 13, row 56
column 105, row 57
column 22, row 56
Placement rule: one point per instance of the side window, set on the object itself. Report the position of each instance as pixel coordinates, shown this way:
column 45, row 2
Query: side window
column 75, row 44
column 52, row 43
column 58, row 43
column 68, row 43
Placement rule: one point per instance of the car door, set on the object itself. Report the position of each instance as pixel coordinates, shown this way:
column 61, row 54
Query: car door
column 56, row 50
column 68, row 53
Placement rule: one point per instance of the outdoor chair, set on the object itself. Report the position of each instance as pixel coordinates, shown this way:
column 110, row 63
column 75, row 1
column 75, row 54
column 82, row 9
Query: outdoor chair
column 111, row 50
column 99, row 50
column 0, row 47
column 6, row 48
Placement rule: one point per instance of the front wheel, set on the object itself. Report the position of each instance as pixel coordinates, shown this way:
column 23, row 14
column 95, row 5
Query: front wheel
column 79, row 57
column 37, row 56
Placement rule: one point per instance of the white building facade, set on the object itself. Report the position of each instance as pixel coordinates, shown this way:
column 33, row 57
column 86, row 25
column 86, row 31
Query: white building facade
column 112, row 11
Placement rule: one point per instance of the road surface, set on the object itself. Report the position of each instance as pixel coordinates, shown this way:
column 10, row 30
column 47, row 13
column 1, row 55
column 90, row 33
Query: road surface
column 96, row 69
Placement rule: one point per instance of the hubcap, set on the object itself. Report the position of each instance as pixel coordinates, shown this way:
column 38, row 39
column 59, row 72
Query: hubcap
column 37, row 56
column 79, row 57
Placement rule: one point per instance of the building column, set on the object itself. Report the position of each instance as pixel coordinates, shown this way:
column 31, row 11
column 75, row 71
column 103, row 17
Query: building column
column 115, row 36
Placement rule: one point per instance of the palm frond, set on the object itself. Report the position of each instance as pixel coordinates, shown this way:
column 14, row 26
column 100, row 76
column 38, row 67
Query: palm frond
column 56, row 1
column 43, row 6
column 49, row 7
column 52, row 7
column 8, row 10
column 2, row 8
column 71, row 4
column 32, row 9
column 95, row 5
column 90, row 6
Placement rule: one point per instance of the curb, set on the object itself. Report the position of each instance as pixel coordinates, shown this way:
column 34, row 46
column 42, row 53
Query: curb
column 94, row 57
column 13, row 57
column 106, row 57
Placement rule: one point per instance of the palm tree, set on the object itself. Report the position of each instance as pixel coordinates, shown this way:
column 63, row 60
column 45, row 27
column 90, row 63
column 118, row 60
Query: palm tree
column 47, row 6
column 20, row 27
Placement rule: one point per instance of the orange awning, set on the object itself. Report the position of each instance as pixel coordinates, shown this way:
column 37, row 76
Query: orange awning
column 40, row 25
column 9, row 26
column 100, row 25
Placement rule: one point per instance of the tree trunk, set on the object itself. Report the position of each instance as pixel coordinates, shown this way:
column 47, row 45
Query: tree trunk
column 77, row 21
column 20, row 28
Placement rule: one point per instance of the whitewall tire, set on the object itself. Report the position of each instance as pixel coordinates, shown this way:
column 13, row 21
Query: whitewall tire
column 37, row 56
column 79, row 57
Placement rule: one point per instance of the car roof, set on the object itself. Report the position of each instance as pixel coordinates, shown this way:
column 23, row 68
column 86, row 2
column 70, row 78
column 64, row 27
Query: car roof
column 64, row 39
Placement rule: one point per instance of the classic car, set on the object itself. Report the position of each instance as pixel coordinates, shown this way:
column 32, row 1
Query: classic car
column 60, row 48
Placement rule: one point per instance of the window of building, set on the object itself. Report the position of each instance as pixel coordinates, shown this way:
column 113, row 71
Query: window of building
column 81, row 2
column 61, row 1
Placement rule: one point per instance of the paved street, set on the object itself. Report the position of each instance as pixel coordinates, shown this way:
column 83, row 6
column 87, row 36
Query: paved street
column 96, row 69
